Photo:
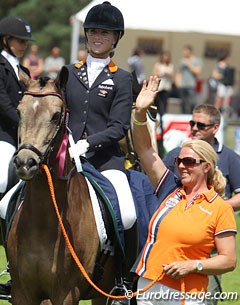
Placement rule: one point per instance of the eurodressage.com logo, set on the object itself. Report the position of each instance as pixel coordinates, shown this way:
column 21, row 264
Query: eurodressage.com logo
column 175, row 295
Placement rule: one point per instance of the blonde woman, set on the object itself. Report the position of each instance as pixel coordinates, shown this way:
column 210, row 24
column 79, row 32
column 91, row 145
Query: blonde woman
column 192, row 218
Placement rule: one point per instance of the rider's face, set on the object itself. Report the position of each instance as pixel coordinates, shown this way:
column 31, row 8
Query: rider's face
column 17, row 46
column 101, row 42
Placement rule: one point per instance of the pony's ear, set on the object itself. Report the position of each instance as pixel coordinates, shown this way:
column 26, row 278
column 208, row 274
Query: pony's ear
column 24, row 78
column 62, row 78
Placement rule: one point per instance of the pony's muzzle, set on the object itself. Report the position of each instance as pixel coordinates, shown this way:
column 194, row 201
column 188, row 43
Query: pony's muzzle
column 25, row 167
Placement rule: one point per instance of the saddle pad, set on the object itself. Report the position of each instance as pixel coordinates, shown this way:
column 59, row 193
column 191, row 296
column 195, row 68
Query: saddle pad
column 102, row 234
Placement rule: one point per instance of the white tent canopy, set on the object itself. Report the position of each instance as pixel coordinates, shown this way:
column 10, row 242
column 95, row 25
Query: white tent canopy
column 206, row 16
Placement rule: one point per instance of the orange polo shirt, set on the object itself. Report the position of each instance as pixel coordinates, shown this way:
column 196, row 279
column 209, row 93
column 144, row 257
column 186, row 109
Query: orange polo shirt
column 185, row 234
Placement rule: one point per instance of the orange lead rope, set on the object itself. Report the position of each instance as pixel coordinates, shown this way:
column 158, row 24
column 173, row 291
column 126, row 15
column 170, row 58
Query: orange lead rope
column 73, row 253
column 182, row 291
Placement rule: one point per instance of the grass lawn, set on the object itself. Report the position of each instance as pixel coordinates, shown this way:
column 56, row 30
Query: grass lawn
column 230, row 281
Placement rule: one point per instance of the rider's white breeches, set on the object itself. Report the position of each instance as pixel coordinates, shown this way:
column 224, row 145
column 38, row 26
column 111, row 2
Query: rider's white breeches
column 5, row 200
column 6, row 151
column 125, row 199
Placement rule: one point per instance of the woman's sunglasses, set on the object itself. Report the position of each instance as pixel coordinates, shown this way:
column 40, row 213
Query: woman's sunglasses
column 188, row 161
column 200, row 126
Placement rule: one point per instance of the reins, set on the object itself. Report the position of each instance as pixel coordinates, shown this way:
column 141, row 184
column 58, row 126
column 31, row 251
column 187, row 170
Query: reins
column 73, row 253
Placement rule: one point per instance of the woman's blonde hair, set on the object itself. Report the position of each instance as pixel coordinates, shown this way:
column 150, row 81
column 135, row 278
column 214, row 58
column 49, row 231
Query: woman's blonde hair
column 206, row 153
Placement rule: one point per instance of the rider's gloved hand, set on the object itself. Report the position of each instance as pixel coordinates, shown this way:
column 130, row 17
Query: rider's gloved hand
column 81, row 147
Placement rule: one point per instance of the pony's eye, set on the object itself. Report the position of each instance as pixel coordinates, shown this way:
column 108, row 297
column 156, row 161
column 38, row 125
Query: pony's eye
column 56, row 118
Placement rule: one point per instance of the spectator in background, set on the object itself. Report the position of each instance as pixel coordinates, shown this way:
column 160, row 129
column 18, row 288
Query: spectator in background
column 164, row 69
column 212, row 84
column 224, row 74
column 135, row 63
column 82, row 54
column 53, row 63
column 187, row 74
column 34, row 62
column 204, row 125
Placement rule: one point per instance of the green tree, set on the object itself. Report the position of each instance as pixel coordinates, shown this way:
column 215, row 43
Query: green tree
column 50, row 21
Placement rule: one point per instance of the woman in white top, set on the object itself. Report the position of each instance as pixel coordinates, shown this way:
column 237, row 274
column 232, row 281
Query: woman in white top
column 164, row 69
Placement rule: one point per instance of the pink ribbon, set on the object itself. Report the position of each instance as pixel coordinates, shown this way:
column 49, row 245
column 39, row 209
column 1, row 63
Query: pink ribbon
column 61, row 155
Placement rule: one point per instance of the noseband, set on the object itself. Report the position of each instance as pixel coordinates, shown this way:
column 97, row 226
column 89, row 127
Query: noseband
column 43, row 156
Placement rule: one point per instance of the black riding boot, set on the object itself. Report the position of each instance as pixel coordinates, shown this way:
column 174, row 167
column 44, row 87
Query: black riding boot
column 3, row 231
column 5, row 289
column 131, row 253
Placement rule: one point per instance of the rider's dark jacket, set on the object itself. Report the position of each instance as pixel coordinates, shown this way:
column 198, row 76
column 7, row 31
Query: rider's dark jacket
column 11, row 91
column 100, row 113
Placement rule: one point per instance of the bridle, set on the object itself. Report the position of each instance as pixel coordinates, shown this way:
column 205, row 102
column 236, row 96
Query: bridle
column 63, row 118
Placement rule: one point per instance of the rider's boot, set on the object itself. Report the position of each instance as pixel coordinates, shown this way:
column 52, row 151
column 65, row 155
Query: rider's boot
column 131, row 253
column 5, row 289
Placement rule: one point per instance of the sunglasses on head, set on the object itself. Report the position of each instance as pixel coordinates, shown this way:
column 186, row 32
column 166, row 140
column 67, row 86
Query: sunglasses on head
column 188, row 161
column 200, row 126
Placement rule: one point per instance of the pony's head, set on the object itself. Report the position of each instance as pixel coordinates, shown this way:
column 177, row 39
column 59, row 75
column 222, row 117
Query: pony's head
column 41, row 113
